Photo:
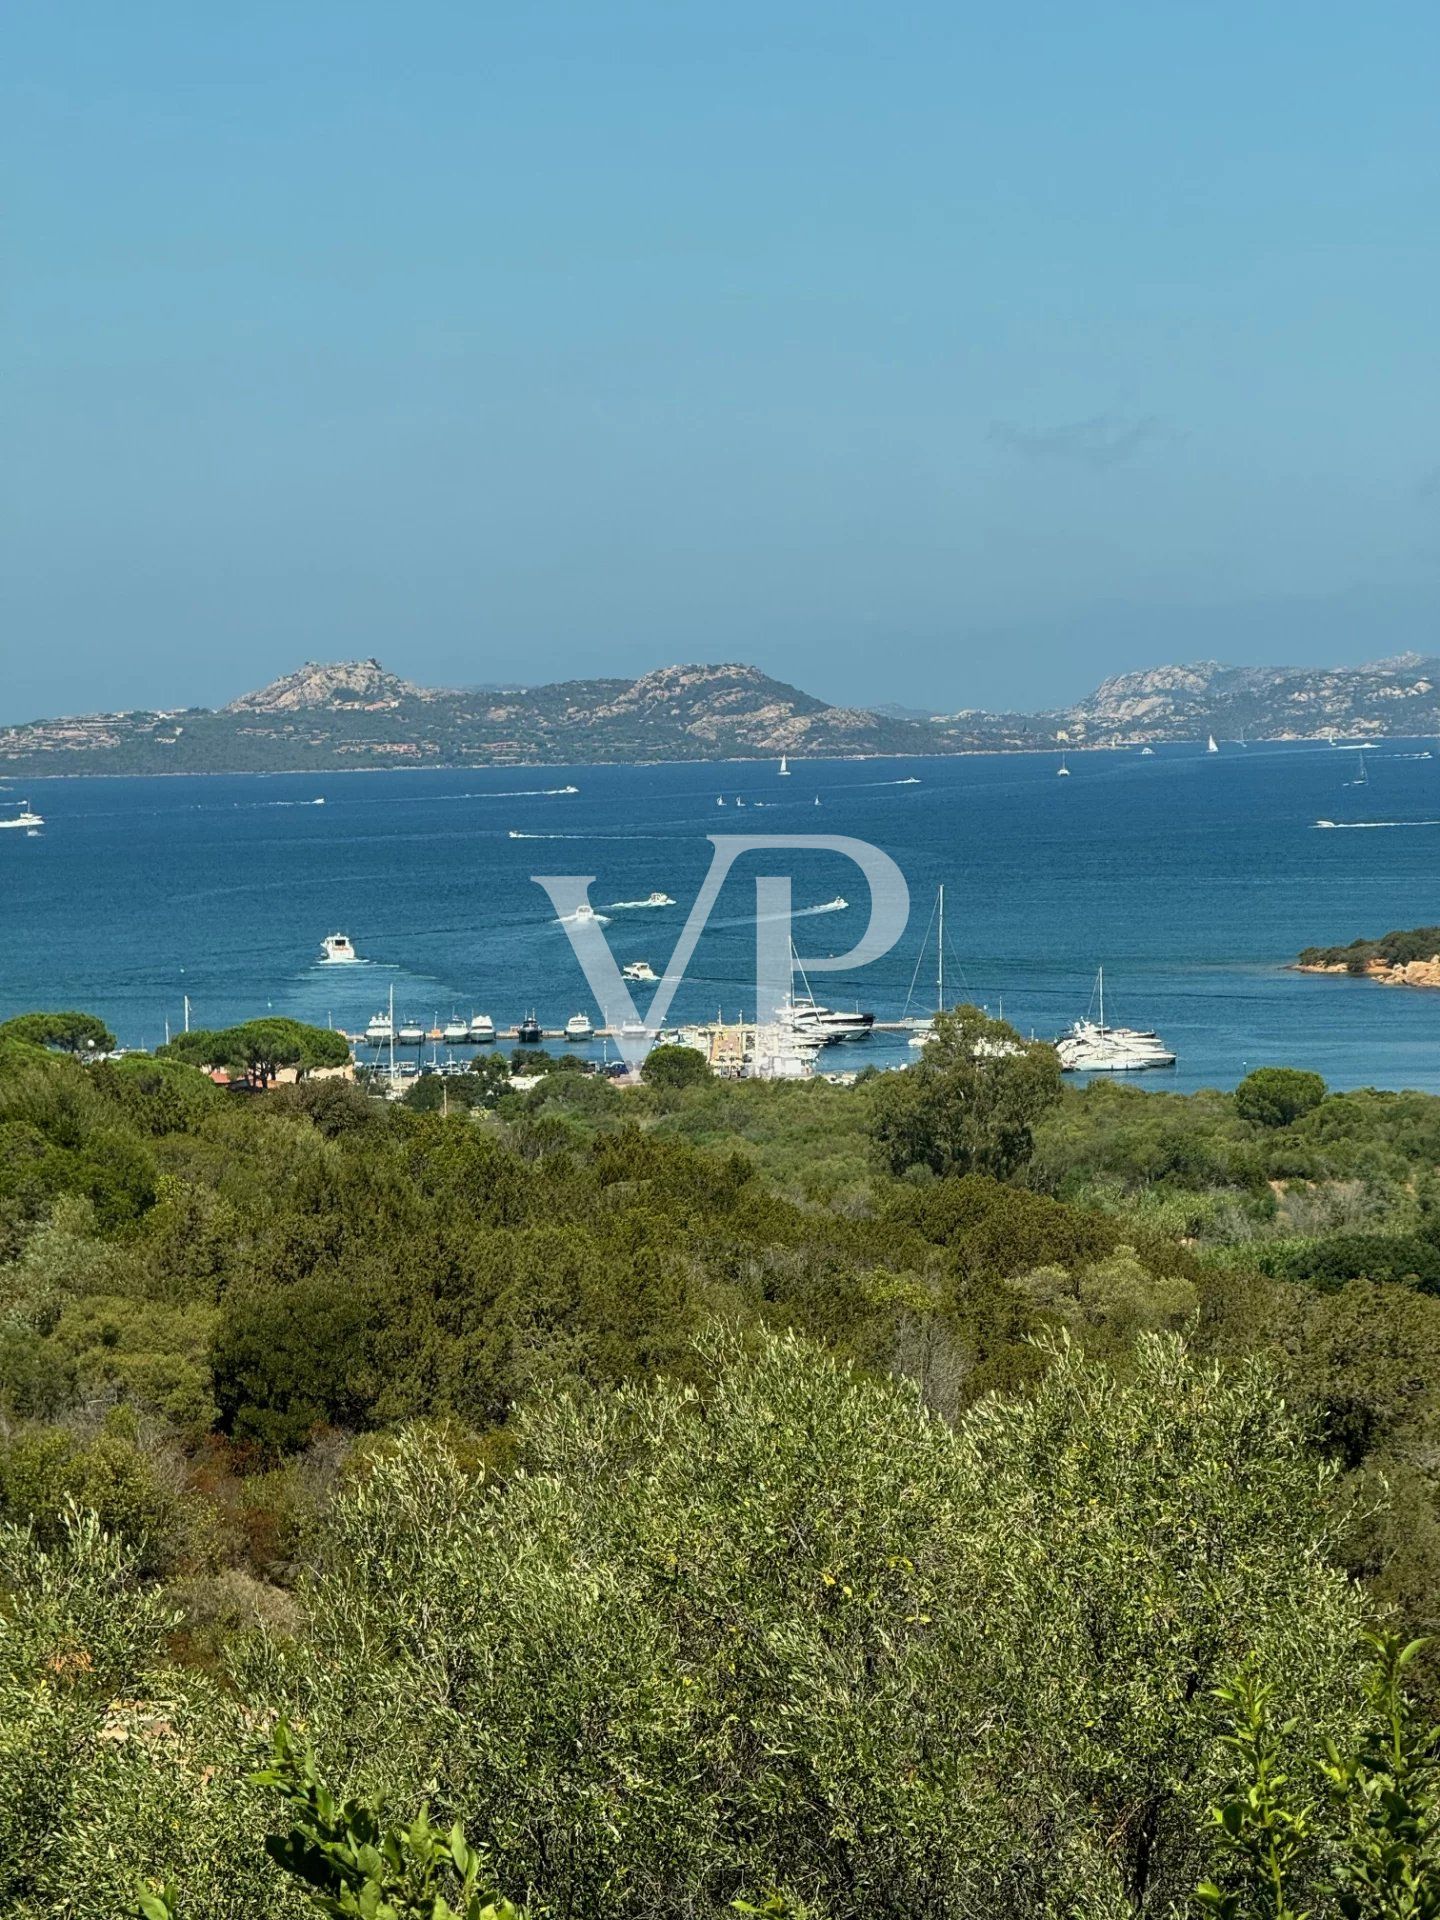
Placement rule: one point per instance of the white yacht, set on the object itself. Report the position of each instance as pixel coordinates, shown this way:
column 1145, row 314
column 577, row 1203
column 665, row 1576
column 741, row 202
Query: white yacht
column 579, row 1027
column 410, row 1033
column 336, row 950
column 1147, row 753
column 27, row 818
column 584, row 916
column 1093, row 1047
column 482, row 1028
column 837, row 905
column 380, row 1028
column 455, row 1031
column 803, row 1016
column 659, row 900
column 779, row 1053
column 634, row 1030
column 638, row 970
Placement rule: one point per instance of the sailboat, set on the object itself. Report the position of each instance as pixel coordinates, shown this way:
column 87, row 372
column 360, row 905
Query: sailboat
column 784, row 768
column 925, row 1030
column 1362, row 778
column 1210, row 746
column 1062, row 772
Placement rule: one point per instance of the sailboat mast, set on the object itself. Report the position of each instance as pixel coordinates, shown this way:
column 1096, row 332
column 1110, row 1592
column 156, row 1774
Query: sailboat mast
column 940, row 968
column 1100, row 982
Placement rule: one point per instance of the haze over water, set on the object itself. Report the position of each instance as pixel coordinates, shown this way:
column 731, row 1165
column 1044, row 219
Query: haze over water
column 1193, row 879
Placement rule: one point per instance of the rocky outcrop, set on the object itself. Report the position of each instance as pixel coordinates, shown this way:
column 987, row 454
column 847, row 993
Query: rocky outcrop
column 1408, row 973
column 345, row 685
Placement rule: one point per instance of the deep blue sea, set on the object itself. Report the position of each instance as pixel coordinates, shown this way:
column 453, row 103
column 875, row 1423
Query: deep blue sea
column 1192, row 878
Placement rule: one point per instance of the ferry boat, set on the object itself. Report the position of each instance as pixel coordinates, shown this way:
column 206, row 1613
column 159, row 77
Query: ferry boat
column 455, row 1031
column 26, row 818
column 482, row 1028
column 638, row 970
column 380, row 1027
column 528, row 1031
column 579, row 1027
column 336, row 950
column 410, row 1033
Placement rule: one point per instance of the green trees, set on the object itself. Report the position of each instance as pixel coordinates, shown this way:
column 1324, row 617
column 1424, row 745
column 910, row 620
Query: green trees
column 970, row 1104
column 675, row 1067
column 73, row 1032
column 1278, row 1096
column 258, row 1049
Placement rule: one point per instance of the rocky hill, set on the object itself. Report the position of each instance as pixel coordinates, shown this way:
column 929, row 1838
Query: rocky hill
column 357, row 714
column 1399, row 696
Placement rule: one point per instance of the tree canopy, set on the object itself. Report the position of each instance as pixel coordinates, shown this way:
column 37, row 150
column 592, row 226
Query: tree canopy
column 73, row 1032
column 258, row 1049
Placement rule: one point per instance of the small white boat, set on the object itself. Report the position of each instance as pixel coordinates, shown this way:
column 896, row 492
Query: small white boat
column 638, row 970
column 784, row 768
column 482, row 1028
column 633, row 1030
column 379, row 1027
column 659, row 900
column 738, row 801
column 455, row 1031
column 410, row 1033
column 584, row 916
column 26, row 818
column 1093, row 1047
column 1210, row 746
column 1147, row 753
column 837, row 905
column 336, row 950
column 579, row 1027
column 719, row 800
column 1062, row 772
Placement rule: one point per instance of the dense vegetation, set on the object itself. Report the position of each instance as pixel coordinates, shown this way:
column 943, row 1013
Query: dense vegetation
column 1395, row 949
column 929, row 1497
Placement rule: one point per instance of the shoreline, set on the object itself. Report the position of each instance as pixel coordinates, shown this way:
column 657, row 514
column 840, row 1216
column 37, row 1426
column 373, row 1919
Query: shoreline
column 8, row 774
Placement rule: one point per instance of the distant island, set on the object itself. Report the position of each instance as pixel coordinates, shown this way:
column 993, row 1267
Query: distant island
column 1400, row 959
column 357, row 714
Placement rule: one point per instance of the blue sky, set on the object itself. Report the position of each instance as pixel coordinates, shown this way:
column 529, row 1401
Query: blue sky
column 950, row 354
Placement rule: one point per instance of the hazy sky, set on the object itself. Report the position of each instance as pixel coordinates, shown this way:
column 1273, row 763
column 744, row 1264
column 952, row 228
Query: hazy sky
column 944, row 353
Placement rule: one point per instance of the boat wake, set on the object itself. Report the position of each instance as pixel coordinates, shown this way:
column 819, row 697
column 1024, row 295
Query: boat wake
column 655, row 900
column 583, row 917
column 1370, row 826
column 513, row 793
column 837, row 905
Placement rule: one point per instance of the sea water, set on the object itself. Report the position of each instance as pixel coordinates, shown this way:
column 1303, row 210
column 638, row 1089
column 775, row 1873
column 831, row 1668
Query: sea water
column 1193, row 878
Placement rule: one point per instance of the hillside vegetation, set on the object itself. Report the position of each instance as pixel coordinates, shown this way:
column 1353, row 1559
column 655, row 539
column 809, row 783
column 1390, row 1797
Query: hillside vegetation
column 713, row 1493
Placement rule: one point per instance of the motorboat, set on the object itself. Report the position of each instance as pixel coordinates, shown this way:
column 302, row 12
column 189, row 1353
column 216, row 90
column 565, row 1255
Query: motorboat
column 27, row 818
column 336, row 950
column 579, row 1027
column 634, row 1030
column 1093, row 1047
column 804, row 1016
column 380, row 1027
column 1147, row 753
column 528, row 1032
column 657, row 900
column 482, row 1028
column 410, row 1033
column 584, row 916
column 455, row 1031
column 638, row 970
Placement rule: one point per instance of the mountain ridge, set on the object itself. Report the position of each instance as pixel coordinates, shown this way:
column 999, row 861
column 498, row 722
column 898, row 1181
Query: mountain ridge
column 356, row 713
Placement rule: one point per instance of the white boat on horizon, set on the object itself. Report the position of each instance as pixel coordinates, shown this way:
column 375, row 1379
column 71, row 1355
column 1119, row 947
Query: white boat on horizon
column 1210, row 746
column 784, row 768
column 337, row 950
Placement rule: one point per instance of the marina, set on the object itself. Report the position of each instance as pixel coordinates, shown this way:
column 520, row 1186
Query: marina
column 1195, row 879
